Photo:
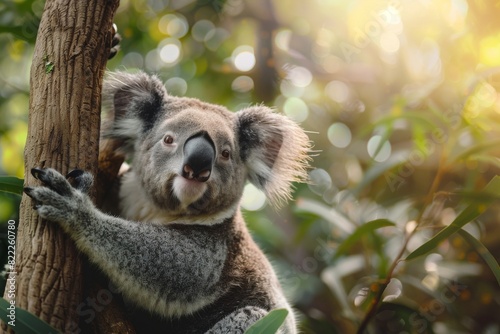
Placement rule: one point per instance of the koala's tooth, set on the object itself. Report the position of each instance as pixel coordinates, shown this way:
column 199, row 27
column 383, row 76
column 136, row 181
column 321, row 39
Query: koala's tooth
column 74, row 173
column 36, row 172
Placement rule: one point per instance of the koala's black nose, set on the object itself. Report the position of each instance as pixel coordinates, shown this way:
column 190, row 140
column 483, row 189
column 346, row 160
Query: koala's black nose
column 199, row 155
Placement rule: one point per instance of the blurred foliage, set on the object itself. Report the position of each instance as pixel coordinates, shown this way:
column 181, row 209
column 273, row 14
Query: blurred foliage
column 402, row 101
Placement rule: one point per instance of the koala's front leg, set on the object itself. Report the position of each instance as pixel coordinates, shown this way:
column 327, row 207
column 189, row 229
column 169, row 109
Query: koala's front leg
column 61, row 202
column 168, row 270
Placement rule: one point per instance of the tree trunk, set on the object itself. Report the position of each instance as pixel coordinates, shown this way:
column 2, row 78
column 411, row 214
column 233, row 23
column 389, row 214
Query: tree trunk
column 70, row 55
column 265, row 74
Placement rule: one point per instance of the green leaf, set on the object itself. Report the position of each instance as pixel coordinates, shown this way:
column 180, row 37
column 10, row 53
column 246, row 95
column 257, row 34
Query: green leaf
column 384, row 139
column 360, row 231
column 480, row 148
column 270, row 323
column 11, row 184
column 412, row 117
column 24, row 321
column 328, row 213
column 471, row 212
column 420, row 139
column 374, row 172
column 466, row 216
column 488, row 159
column 483, row 252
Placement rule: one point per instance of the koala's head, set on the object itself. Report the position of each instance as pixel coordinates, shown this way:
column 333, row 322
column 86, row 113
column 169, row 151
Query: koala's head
column 193, row 158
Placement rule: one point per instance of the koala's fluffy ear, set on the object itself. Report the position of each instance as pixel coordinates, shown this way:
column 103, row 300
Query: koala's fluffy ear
column 274, row 149
column 134, row 103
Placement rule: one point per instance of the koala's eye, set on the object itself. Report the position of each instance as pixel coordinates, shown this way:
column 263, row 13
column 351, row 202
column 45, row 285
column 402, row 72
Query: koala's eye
column 225, row 154
column 168, row 139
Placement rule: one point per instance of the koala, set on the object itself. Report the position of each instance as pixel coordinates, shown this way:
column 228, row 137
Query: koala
column 178, row 247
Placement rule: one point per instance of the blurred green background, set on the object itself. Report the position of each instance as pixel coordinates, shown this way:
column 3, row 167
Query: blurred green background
column 402, row 102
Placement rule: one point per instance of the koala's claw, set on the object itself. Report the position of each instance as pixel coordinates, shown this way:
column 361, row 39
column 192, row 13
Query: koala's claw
column 29, row 191
column 57, row 200
column 52, row 179
column 80, row 180
column 36, row 172
column 74, row 173
column 115, row 46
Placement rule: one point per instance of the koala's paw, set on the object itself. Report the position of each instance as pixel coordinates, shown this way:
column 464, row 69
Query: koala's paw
column 115, row 42
column 58, row 200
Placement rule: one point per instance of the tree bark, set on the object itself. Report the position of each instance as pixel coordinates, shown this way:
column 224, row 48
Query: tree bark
column 70, row 55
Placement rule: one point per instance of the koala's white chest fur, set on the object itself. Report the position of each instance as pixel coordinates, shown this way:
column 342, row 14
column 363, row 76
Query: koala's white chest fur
column 135, row 205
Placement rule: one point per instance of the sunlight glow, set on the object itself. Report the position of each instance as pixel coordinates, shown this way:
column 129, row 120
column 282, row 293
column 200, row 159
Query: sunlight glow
column 389, row 42
column 458, row 12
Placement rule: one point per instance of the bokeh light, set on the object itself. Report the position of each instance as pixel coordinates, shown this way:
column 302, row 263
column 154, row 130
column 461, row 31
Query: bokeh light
column 201, row 29
column 173, row 25
column 337, row 91
column 176, row 86
column 339, row 135
column 170, row 53
column 378, row 148
column 242, row 84
column 282, row 39
column 253, row 198
column 244, row 58
column 296, row 109
column 133, row 60
column 300, row 76
column 320, row 181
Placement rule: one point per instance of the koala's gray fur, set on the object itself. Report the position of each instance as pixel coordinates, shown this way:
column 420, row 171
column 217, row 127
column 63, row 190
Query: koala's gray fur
column 180, row 249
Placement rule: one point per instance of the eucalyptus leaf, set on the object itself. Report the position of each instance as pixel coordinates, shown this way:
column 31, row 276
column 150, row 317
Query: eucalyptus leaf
column 375, row 171
column 483, row 252
column 477, row 149
column 467, row 215
column 361, row 231
column 411, row 116
column 270, row 323
column 25, row 322
column 11, row 184
column 330, row 214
